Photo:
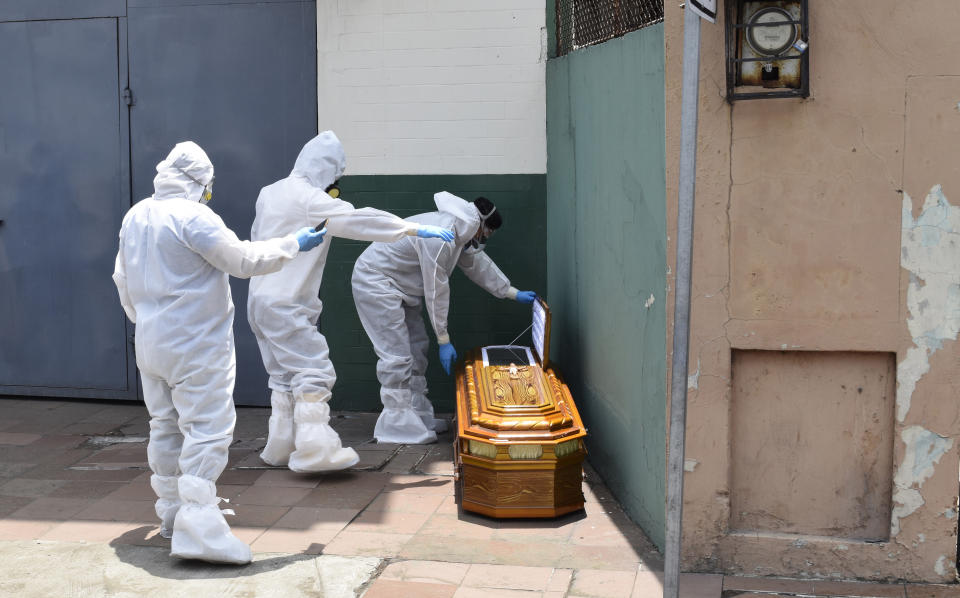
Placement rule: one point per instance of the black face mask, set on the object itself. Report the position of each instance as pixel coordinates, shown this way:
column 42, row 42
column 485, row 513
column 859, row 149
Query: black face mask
column 334, row 189
column 475, row 245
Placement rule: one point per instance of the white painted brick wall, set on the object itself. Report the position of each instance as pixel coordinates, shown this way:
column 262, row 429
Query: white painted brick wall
column 434, row 86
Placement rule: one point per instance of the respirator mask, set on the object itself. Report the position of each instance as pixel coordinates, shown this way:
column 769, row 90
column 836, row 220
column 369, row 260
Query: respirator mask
column 207, row 194
column 334, row 189
column 479, row 241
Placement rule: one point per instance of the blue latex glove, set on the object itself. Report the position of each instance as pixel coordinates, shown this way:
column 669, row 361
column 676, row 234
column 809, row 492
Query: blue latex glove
column 526, row 296
column 308, row 238
column 428, row 231
column 448, row 356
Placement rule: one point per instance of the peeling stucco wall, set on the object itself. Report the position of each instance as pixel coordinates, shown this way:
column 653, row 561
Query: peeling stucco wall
column 930, row 253
column 807, row 239
column 923, row 451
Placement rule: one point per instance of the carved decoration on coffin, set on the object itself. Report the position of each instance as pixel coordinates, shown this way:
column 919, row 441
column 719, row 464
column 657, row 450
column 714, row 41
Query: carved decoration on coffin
column 561, row 393
column 515, row 385
column 544, row 421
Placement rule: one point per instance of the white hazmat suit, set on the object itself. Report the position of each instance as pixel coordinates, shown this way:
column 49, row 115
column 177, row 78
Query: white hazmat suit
column 283, row 308
column 389, row 284
column 172, row 276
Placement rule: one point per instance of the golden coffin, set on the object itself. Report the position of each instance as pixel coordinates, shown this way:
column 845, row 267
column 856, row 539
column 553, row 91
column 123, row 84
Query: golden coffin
column 519, row 449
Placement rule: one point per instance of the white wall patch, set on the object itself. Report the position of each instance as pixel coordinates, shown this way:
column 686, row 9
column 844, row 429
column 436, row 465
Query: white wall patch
column 941, row 566
column 434, row 88
column 930, row 251
column 923, row 451
column 693, row 380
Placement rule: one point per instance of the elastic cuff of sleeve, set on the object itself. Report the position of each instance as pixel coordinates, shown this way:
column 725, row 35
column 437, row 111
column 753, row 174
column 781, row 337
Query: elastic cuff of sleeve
column 412, row 231
column 512, row 293
column 443, row 339
column 291, row 245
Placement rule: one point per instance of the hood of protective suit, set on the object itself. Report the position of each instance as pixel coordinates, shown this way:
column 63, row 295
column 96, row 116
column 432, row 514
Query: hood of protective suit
column 321, row 161
column 184, row 173
column 467, row 215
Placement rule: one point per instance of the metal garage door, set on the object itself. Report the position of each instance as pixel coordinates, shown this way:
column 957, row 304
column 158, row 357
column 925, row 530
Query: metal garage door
column 236, row 76
column 240, row 79
column 63, row 191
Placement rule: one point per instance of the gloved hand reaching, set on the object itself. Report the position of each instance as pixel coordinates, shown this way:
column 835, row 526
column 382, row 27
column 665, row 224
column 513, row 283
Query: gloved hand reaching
column 308, row 237
column 448, row 356
column 526, row 296
column 429, row 231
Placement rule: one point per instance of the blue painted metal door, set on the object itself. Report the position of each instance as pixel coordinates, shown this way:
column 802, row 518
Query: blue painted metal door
column 63, row 191
column 238, row 78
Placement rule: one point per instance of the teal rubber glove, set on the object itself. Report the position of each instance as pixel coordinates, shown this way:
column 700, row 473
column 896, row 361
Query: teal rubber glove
column 526, row 296
column 448, row 356
column 428, row 231
column 308, row 238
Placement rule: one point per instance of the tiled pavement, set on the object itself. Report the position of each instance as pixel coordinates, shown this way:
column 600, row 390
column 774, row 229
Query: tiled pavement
column 73, row 478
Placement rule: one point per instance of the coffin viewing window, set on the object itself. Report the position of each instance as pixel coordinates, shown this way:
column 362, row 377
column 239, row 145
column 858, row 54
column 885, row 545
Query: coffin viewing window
column 507, row 355
column 586, row 22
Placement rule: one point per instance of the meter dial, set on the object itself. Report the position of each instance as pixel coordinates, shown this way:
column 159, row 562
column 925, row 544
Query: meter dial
column 770, row 40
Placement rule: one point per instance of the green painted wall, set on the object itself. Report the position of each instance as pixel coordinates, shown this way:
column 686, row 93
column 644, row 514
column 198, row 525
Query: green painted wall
column 476, row 317
column 606, row 255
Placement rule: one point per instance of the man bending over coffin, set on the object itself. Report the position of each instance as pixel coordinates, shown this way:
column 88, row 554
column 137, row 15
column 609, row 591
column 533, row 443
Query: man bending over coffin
column 389, row 283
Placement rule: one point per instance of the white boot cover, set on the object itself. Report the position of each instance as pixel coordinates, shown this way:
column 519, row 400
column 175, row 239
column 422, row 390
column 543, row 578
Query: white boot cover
column 399, row 423
column 424, row 409
column 168, row 501
column 318, row 445
column 200, row 531
column 280, row 430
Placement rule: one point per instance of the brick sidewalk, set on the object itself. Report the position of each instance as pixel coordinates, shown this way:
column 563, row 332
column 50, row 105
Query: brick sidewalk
column 73, row 475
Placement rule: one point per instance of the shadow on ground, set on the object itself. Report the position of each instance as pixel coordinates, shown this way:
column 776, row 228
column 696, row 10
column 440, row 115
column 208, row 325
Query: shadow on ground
column 135, row 548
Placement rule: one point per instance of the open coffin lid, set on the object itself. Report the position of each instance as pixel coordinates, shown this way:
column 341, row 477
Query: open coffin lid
column 520, row 355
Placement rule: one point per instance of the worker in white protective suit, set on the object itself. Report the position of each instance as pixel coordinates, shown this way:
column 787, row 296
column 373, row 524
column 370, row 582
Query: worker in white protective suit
column 283, row 308
column 389, row 284
column 172, row 276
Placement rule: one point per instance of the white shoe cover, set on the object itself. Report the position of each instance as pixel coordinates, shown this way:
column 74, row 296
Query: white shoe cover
column 280, row 430
column 318, row 446
column 168, row 501
column 200, row 531
column 402, row 426
column 424, row 409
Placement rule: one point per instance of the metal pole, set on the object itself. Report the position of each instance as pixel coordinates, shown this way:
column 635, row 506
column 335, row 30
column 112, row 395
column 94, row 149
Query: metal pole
column 681, row 311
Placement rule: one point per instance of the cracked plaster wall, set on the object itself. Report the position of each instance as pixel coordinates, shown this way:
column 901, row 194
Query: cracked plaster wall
column 798, row 245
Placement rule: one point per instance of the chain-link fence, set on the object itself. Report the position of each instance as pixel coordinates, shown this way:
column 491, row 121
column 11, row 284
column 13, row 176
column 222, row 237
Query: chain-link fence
column 585, row 22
